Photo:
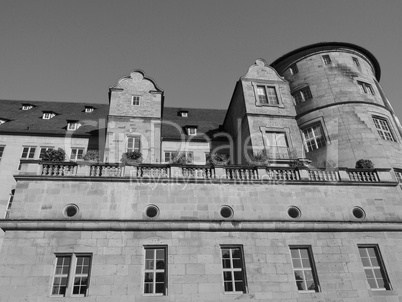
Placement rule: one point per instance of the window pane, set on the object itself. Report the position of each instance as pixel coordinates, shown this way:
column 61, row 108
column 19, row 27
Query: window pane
column 228, row 286
column 160, row 288
column 227, row 276
column 239, row 286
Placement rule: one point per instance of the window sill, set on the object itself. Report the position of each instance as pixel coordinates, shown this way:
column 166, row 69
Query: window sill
column 270, row 105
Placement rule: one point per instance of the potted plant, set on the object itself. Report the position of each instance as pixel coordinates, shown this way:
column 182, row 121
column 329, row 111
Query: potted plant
column 54, row 155
column 217, row 159
column 259, row 159
column 131, row 157
column 92, row 155
column 180, row 158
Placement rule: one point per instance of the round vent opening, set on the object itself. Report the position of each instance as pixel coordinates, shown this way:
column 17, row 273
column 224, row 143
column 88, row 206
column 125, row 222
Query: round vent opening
column 294, row 212
column 71, row 210
column 152, row 211
column 226, row 212
column 358, row 213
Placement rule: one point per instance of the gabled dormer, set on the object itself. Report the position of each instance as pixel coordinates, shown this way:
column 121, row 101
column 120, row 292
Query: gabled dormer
column 2, row 121
column 89, row 109
column 73, row 125
column 26, row 107
column 47, row 115
column 182, row 113
column 191, row 130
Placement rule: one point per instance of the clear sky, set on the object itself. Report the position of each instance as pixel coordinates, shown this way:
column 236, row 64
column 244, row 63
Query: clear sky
column 195, row 50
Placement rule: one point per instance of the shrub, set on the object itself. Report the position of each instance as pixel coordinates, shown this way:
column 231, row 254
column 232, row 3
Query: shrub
column 54, row 155
column 217, row 159
column 364, row 164
column 131, row 157
column 92, row 155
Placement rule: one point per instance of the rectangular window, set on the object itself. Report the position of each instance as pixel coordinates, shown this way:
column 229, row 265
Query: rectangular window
column 43, row 151
column 374, row 268
column 267, row 95
column 302, row 95
column 276, row 145
column 78, row 267
column 2, row 151
column 293, row 69
column 28, row 152
column 304, row 269
column 383, row 129
column 191, row 131
column 356, row 61
column 326, row 59
column 76, row 153
column 133, row 144
column 155, row 273
column 135, row 100
column 365, row 87
column 314, row 137
column 171, row 156
column 234, row 277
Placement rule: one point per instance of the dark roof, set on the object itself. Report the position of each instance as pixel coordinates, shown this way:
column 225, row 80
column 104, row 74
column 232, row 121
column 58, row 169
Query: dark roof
column 284, row 61
column 207, row 121
column 30, row 121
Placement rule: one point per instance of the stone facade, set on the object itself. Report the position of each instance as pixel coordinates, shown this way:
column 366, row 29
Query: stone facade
column 280, row 230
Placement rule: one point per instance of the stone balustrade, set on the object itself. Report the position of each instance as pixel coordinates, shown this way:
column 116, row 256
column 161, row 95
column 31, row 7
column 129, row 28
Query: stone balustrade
column 235, row 173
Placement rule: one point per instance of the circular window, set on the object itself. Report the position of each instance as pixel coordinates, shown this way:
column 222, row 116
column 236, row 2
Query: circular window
column 152, row 211
column 226, row 212
column 358, row 213
column 71, row 210
column 294, row 212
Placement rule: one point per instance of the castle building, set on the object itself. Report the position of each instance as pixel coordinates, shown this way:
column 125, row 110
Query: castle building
column 262, row 201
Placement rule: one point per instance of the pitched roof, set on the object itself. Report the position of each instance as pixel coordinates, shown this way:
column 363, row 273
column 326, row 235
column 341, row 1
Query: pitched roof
column 30, row 121
column 207, row 121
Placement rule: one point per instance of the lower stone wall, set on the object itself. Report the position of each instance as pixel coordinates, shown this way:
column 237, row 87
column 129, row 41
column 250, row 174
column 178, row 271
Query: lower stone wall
column 27, row 261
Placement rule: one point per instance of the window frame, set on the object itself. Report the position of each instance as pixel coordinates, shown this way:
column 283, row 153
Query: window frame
column 293, row 69
column 154, row 270
column 187, row 154
column 47, row 115
column 71, row 274
column 365, row 87
column 2, row 148
column 72, row 126
column 277, row 154
column 89, row 109
column 312, row 267
column 356, row 61
column 323, row 135
column 135, row 100
column 266, row 87
column 133, row 148
column 327, row 59
column 31, row 150
column 302, row 95
column 191, row 130
column 232, row 269
column 26, row 107
column 43, row 150
column 77, row 155
column 382, row 132
column 381, row 267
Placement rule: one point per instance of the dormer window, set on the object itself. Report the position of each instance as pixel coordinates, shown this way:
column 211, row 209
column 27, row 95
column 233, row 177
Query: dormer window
column 2, row 122
column 89, row 109
column 48, row 115
column 135, row 100
column 191, row 130
column 73, row 125
column 183, row 113
column 27, row 107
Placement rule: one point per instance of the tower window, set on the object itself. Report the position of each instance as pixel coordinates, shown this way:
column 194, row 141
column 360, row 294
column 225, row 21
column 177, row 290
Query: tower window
column 302, row 95
column 314, row 137
column 304, row 269
column 383, row 129
column 356, row 61
column 267, row 95
column 135, row 100
column 374, row 268
column 365, row 87
column 293, row 69
column 276, row 145
column 326, row 59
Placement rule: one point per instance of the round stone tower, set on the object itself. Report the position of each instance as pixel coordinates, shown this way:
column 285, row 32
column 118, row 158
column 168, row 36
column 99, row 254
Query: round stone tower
column 341, row 108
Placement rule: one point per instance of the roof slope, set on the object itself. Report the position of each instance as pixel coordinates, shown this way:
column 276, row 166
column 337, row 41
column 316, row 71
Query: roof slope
column 207, row 121
column 31, row 122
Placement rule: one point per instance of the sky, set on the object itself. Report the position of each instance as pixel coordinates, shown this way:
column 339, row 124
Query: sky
column 73, row 51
